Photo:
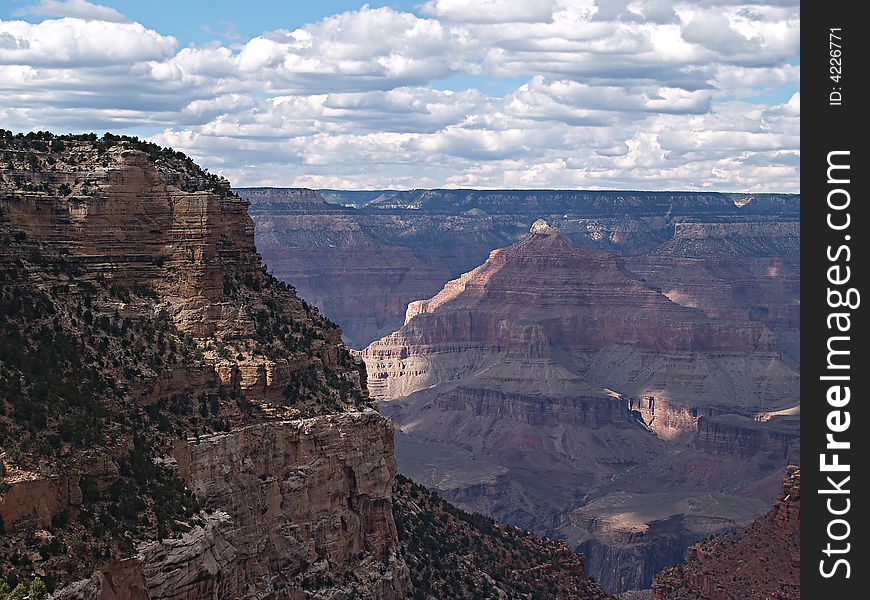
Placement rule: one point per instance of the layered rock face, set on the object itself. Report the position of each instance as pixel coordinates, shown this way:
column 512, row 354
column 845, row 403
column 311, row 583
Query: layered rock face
column 744, row 437
column 133, row 217
column 720, row 252
column 292, row 501
column 734, row 271
column 176, row 423
column 544, row 294
column 554, row 389
column 758, row 561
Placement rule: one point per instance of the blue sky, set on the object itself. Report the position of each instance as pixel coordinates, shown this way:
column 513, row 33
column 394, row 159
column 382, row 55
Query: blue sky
column 653, row 94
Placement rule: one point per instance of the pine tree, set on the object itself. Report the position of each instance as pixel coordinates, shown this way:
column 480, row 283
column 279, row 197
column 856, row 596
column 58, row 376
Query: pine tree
column 37, row 590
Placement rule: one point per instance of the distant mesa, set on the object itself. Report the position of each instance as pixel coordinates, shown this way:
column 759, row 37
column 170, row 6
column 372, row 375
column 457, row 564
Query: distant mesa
column 362, row 256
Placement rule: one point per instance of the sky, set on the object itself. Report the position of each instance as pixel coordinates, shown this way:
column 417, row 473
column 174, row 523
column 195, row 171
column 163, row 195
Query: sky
column 588, row 94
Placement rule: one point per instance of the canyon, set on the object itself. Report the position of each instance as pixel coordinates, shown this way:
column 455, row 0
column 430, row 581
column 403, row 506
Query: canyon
column 725, row 253
column 175, row 422
column 554, row 389
column 513, row 421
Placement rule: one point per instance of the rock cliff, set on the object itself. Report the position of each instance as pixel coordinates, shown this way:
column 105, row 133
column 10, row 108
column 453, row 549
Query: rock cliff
column 758, row 561
column 174, row 420
column 739, row 270
column 554, row 389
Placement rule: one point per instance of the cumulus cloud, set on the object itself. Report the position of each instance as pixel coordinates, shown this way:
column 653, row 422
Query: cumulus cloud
column 354, row 51
column 74, row 43
column 644, row 94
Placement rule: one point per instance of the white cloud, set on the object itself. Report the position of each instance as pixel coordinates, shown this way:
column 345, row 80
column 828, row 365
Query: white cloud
column 80, row 9
column 74, row 43
column 368, row 49
column 642, row 94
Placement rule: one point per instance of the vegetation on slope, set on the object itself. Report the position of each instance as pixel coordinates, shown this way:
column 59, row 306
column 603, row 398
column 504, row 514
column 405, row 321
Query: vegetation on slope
column 459, row 555
column 97, row 381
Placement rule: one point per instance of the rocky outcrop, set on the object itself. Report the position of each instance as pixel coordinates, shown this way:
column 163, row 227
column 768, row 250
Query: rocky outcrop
column 590, row 411
column 116, row 580
column 758, row 561
column 313, row 512
column 140, row 216
column 133, row 217
column 628, row 537
column 666, row 419
column 777, row 439
column 41, row 499
column 545, row 383
column 176, row 423
column 630, row 561
column 299, row 494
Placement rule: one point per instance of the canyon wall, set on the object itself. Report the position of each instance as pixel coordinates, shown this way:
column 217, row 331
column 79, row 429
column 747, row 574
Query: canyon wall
column 338, row 263
column 718, row 569
column 737, row 271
